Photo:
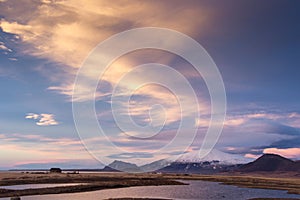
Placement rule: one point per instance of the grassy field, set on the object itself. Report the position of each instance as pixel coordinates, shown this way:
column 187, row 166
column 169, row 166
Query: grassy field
column 99, row 181
column 292, row 185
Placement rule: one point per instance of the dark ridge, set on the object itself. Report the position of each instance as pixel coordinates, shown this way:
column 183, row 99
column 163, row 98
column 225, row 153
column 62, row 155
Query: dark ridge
column 271, row 163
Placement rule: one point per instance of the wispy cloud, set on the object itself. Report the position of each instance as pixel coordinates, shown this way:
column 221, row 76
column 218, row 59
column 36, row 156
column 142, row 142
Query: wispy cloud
column 13, row 59
column 4, row 48
column 42, row 119
column 54, row 28
column 64, row 32
column 131, row 155
column 32, row 116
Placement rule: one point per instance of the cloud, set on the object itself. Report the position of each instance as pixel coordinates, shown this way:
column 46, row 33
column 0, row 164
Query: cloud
column 259, row 131
column 54, row 29
column 46, row 120
column 287, row 142
column 204, row 121
column 31, row 138
column 61, row 163
column 250, row 137
column 131, row 155
column 287, row 122
column 249, row 155
column 32, row 116
column 5, row 48
column 293, row 153
column 13, row 59
column 66, row 31
column 43, row 119
column 33, row 148
column 22, row 153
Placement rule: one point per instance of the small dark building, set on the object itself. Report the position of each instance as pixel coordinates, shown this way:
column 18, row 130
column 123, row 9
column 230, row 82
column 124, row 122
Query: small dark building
column 55, row 170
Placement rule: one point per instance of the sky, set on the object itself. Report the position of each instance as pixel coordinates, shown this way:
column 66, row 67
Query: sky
column 44, row 43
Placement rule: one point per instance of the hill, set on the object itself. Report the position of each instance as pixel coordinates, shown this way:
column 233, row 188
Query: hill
column 271, row 163
column 117, row 166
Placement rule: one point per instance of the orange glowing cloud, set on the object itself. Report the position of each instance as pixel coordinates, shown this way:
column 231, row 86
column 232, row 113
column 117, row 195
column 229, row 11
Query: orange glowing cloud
column 66, row 31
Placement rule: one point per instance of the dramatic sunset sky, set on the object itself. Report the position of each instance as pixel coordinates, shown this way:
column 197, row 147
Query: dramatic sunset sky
column 254, row 43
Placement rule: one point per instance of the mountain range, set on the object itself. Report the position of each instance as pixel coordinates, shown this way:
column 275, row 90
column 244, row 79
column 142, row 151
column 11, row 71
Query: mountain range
column 190, row 162
column 215, row 155
column 214, row 162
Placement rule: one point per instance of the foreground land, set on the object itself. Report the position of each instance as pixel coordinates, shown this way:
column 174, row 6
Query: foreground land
column 99, row 181
column 87, row 182
column 292, row 185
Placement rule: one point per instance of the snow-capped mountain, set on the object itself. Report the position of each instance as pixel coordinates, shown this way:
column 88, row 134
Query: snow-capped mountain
column 215, row 155
column 215, row 161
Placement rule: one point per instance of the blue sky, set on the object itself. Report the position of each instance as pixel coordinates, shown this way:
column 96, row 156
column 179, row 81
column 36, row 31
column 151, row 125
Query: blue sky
column 255, row 45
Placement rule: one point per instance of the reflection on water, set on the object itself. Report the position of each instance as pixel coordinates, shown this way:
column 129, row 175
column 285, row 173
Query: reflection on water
column 199, row 190
column 33, row 186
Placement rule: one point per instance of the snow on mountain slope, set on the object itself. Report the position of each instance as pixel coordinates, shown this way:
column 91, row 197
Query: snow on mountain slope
column 214, row 155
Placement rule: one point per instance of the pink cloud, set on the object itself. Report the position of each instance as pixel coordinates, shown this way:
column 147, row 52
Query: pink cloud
column 249, row 155
column 43, row 119
column 289, row 153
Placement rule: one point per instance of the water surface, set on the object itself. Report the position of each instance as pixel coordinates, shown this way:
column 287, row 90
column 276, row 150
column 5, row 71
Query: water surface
column 197, row 190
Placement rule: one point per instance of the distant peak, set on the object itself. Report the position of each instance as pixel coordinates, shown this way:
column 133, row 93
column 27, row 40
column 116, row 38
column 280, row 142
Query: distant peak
column 273, row 156
column 271, row 162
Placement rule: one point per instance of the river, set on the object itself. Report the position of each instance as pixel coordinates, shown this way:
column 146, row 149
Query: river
column 200, row 190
